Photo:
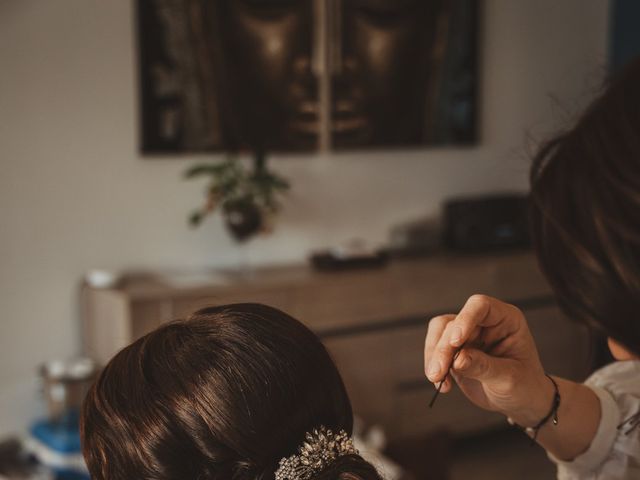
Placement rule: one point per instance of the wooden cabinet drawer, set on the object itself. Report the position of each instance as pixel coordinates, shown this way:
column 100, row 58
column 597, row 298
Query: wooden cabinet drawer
column 451, row 412
column 373, row 364
column 445, row 284
column 344, row 300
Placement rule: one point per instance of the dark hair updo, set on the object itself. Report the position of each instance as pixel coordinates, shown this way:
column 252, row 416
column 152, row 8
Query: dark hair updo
column 224, row 394
column 585, row 191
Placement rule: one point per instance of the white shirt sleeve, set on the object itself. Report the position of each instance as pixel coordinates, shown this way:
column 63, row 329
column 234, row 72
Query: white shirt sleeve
column 614, row 452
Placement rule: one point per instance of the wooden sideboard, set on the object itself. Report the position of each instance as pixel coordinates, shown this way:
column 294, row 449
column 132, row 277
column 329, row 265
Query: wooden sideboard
column 372, row 321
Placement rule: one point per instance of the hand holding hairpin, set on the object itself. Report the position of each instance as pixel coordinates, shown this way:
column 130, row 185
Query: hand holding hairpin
column 437, row 392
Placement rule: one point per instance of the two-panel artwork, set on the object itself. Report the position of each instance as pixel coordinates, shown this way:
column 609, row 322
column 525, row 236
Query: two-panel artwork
column 303, row 75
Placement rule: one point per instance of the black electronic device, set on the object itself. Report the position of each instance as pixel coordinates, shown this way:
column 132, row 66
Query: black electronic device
column 486, row 223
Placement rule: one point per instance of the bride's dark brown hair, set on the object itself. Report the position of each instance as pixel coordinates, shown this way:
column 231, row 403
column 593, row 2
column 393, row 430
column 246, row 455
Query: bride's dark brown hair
column 223, row 394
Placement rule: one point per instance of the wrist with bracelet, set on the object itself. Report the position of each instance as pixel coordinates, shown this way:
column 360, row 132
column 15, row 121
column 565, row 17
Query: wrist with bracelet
column 552, row 415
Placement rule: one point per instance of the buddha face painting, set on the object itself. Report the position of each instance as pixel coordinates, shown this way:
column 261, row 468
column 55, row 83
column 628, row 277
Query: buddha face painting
column 385, row 66
column 266, row 55
column 392, row 72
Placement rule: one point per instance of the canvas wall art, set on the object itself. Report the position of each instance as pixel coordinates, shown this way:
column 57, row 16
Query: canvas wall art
column 302, row 75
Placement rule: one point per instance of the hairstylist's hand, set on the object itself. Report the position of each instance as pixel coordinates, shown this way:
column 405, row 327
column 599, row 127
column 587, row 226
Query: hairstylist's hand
column 498, row 368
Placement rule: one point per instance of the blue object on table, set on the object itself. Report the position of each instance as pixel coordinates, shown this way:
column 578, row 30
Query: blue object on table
column 56, row 445
column 62, row 436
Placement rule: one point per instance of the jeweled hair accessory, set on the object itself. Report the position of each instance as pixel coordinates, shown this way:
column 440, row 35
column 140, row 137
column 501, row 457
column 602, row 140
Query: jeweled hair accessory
column 319, row 450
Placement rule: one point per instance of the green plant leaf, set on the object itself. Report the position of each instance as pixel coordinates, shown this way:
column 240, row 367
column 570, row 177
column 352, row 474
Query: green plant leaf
column 195, row 218
column 232, row 184
column 204, row 169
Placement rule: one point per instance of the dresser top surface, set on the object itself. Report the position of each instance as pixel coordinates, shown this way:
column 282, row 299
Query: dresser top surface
column 436, row 268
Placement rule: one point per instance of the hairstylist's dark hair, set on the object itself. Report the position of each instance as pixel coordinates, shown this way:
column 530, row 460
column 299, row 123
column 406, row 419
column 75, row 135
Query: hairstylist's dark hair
column 585, row 213
column 224, row 394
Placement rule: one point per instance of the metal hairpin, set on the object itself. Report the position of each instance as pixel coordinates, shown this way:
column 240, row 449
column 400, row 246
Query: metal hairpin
column 480, row 345
column 437, row 392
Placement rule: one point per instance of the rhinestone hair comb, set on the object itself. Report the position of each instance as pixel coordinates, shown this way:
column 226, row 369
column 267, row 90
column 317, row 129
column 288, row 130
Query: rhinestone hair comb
column 319, row 450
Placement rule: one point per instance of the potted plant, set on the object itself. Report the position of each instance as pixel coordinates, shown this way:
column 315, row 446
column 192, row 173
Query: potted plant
column 248, row 198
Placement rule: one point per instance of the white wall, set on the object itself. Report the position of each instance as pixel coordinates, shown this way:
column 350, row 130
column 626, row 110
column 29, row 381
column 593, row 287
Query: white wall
column 74, row 193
